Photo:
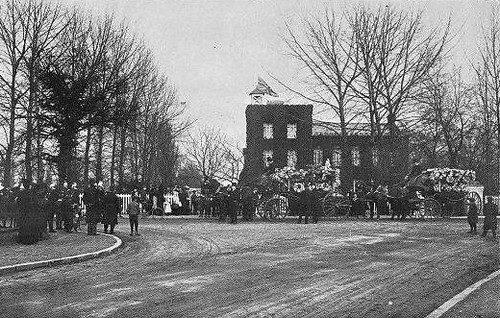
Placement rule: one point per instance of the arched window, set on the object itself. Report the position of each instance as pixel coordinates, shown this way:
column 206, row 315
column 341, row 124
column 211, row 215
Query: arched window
column 291, row 131
column 356, row 159
column 336, row 157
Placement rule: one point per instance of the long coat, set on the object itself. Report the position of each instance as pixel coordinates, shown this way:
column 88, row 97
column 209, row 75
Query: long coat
column 490, row 216
column 472, row 217
column 111, row 208
column 92, row 198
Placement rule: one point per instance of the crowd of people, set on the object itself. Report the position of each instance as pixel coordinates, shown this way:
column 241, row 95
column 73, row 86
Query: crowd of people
column 37, row 208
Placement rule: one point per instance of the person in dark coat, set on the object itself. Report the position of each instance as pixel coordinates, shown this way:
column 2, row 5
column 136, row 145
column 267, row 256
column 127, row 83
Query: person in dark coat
column 233, row 203
column 63, row 188
column 52, row 197
column 305, row 205
column 29, row 229
column 67, row 209
column 315, row 204
column 92, row 199
column 248, row 203
column 184, row 198
column 111, row 204
column 490, row 218
column 472, row 216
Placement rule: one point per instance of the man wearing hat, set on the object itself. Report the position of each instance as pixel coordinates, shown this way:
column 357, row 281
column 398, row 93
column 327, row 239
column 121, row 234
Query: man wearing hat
column 92, row 199
column 184, row 198
column 472, row 216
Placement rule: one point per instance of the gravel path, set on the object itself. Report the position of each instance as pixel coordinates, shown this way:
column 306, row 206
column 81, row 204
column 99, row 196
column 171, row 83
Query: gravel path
column 194, row 268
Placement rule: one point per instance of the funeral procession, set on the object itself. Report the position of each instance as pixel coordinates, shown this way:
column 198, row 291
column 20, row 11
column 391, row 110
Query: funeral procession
column 251, row 158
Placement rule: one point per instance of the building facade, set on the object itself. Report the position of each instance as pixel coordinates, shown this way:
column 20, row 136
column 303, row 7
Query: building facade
column 279, row 135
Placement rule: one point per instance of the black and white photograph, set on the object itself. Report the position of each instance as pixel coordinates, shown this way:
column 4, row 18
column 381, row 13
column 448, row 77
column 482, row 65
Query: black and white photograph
column 249, row 158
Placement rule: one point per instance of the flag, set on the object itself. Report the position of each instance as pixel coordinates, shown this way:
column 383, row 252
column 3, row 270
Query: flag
column 265, row 88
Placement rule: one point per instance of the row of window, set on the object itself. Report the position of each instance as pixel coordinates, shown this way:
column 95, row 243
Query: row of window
column 268, row 131
column 336, row 159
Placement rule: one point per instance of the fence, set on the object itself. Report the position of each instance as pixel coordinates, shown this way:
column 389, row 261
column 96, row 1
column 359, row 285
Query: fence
column 125, row 200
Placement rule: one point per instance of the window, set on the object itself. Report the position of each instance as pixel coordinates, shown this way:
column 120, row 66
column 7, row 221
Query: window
column 375, row 157
column 268, row 131
column 337, row 176
column 265, row 155
column 356, row 160
column 318, row 157
column 291, row 158
column 291, row 131
column 336, row 157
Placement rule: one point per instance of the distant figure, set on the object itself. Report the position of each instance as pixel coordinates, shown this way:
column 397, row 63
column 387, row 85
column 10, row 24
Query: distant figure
column 92, row 198
column 133, row 211
column 233, row 202
column 490, row 218
column 472, row 216
column 305, row 204
column 111, row 204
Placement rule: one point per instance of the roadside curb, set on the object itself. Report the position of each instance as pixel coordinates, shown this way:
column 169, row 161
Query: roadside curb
column 441, row 310
column 63, row 260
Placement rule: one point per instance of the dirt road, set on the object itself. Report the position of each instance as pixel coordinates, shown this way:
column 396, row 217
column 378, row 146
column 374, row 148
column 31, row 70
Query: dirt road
column 194, row 268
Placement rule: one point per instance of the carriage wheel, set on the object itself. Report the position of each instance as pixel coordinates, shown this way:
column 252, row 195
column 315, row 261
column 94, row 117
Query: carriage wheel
column 431, row 208
column 335, row 206
column 477, row 199
column 276, row 208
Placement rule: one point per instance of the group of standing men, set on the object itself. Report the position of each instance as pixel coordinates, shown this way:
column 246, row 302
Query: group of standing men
column 102, row 206
column 222, row 202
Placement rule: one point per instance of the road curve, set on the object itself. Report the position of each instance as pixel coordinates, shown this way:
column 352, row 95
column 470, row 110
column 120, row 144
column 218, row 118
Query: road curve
column 193, row 268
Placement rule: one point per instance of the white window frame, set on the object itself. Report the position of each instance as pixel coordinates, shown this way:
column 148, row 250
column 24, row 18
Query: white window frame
column 318, row 157
column 267, row 131
column 291, row 158
column 375, row 157
column 336, row 157
column 291, row 131
column 356, row 156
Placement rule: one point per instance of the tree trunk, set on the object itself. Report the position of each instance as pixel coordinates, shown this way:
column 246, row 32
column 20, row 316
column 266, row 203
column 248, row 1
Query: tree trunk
column 121, row 161
column 98, row 160
column 86, row 167
column 7, row 177
column 113, row 156
column 136, row 157
column 40, row 171
column 65, row 161
column 29, row 124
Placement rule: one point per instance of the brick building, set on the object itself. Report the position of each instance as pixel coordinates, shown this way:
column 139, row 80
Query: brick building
column 289, row 135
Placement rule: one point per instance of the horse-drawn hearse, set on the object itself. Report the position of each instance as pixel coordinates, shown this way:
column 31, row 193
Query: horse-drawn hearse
column 438, row 192
column 443, row 192
column 280, row 192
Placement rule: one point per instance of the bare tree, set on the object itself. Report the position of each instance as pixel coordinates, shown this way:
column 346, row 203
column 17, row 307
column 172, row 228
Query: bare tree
column 206, row 149
column 488, row 74
column 446, row 103
column 397, row 57
column 44, row 24
column 327, row 51
column 14, row 45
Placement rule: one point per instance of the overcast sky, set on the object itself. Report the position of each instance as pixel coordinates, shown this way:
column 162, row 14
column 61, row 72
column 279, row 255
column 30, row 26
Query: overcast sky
column 213, row 51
